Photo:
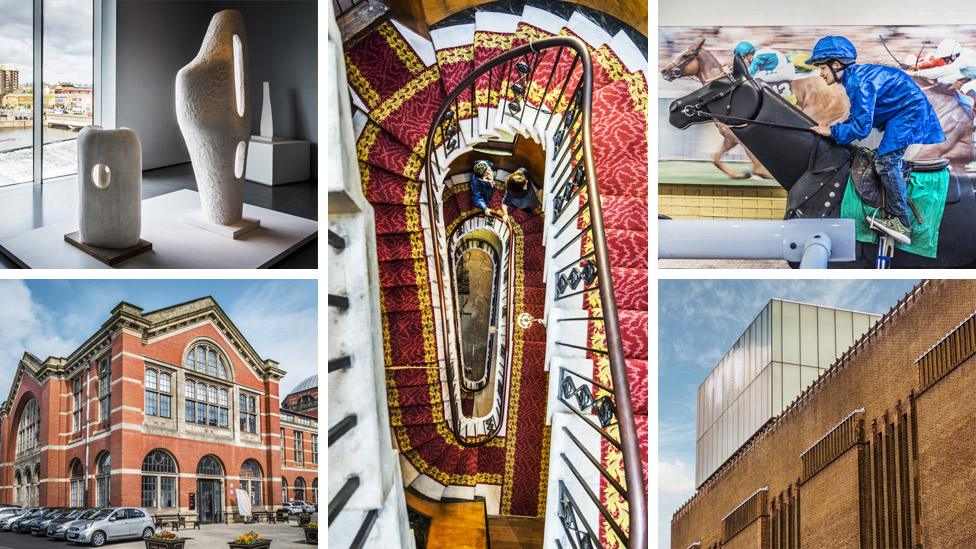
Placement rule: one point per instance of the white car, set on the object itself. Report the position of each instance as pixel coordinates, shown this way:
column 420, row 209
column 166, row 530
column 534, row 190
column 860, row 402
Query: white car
column 297, row 506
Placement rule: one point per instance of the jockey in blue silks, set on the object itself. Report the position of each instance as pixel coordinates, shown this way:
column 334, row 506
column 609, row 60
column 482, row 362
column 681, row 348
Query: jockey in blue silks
column 887, row 99
column 482, row 185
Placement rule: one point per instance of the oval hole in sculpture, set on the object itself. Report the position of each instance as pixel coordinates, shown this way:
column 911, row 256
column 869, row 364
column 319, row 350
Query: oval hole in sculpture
column 101, row 176
column 239, row 158
column 239, row 75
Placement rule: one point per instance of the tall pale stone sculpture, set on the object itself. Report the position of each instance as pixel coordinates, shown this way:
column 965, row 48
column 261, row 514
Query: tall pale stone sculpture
column 214, row 113
column 267, row 122
column 109, row 195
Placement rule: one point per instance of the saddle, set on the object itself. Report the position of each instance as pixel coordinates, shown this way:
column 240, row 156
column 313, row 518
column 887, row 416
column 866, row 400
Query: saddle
column 867, row 182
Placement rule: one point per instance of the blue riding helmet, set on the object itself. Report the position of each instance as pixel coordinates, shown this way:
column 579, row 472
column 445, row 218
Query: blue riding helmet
column 833, row 47
column 743, row 49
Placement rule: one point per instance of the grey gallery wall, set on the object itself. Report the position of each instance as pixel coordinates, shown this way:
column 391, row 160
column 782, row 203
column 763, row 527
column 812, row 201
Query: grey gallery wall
column 155, row 38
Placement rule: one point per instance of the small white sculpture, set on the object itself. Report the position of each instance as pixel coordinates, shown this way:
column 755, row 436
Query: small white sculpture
column 214, row 114
column 267, row 123
column 109, row 187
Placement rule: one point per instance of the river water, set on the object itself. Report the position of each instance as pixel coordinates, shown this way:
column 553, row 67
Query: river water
column 15, row 138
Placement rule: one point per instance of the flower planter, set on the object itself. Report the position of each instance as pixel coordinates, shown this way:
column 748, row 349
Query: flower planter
column 304, row 520
column 177, row 543
column 311, row 534
column 259, row 545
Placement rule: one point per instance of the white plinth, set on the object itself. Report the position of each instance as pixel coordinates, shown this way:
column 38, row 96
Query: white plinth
column 277, row 161
column 176, row 244
column 234, row 230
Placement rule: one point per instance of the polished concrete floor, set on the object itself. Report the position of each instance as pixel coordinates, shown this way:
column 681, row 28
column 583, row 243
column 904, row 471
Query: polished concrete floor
column 26, row 206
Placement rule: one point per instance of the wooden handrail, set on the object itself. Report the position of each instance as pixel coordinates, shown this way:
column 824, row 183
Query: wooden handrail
column 636, row 497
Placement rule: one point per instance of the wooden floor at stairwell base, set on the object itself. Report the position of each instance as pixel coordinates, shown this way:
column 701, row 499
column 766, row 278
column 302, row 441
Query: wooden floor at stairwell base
column 462, row 525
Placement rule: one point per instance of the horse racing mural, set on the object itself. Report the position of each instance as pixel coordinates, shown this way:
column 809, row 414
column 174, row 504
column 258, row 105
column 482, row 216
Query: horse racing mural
column 749, row 115
column 691, row 56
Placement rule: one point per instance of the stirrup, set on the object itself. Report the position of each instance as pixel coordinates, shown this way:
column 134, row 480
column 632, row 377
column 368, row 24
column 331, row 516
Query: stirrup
column 886, row 251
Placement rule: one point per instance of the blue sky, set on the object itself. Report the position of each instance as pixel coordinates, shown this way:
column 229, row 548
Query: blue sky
column 698, row 320
column 53, row 317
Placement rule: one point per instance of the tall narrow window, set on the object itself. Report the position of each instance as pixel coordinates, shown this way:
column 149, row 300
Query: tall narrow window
column 68, row 76
column 151, row 396
column 299, row 447
column 300, row 488
column 77, row 484
column 251, row 481
column 282, row 440
column 315, row 448
column 103, row 480
column 248, row 413
column 104, row 389
column 16, row 94
column 284, row 489
column 76, row 403
column 29, row 429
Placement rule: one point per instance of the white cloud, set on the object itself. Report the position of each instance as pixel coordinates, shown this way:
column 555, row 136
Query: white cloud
column 280, row 319
column 25, row 325
column 675, row 477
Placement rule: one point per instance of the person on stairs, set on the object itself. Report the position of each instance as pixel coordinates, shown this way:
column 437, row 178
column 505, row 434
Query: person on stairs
column 520, row 193
column 483, row 185
column 885, row 98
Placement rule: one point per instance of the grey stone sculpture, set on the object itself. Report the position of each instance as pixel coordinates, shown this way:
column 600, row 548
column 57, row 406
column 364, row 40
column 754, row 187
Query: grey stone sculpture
column 214, row 113
column 109, row 187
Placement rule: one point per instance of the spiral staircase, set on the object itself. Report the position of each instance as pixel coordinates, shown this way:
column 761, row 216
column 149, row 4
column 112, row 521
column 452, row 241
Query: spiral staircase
column 565, row 440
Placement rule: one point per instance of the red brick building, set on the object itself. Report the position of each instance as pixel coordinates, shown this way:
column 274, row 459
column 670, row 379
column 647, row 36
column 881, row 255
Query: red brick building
column 170, row 410
column 878, row 452
column 300, row 443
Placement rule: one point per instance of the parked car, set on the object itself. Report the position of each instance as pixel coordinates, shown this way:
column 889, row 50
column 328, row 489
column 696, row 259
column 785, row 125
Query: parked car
column 57, row 528
column 111, row 523
column 9, row 514
column 38, row 526
column 17, row 526
column 297, row 506
column 24, row 527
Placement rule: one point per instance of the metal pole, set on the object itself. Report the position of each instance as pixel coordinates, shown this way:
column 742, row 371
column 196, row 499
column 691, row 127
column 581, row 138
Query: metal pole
column 38, row 95
column 816, row 252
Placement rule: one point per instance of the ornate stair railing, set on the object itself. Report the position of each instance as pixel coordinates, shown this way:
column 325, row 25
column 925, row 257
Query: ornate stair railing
column 574, row 170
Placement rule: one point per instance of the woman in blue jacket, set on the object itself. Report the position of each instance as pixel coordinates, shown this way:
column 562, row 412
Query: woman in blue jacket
column 887, row 99
column 483, row 185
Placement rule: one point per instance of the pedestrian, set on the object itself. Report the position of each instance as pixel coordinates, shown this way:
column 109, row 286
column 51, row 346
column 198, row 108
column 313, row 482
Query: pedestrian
column 520, row 193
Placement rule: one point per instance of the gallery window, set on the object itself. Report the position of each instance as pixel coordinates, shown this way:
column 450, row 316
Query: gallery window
column 159, row 480
column 104, row 389
column 63, row 77
column 205, row 359
column 251, row 481
column 158, row 393
column 248, row 413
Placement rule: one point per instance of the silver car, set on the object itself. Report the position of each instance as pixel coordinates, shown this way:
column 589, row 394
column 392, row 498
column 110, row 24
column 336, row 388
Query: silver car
column 297, row 506
column 8, row 514
column 111, row 523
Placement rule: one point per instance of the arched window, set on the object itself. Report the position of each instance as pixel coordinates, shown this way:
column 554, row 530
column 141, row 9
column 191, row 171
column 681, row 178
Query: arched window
column 159, row 482
column 251, row 481
column 284, row 490
column 300, row 488
column 19, row 489
column 209, row 466
column 315, row 490
column 29, row 429
column 103, row 480
column 205, row 359
column 77, row 484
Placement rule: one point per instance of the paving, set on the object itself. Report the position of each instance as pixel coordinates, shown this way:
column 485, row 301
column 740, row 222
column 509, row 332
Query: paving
column 211, row 536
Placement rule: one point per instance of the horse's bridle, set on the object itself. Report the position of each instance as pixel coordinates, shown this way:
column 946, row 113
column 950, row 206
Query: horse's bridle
column 674, row 71
column 698, row 110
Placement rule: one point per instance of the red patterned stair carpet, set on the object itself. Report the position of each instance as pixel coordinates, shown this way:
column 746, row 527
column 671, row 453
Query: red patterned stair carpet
column 401, row 95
